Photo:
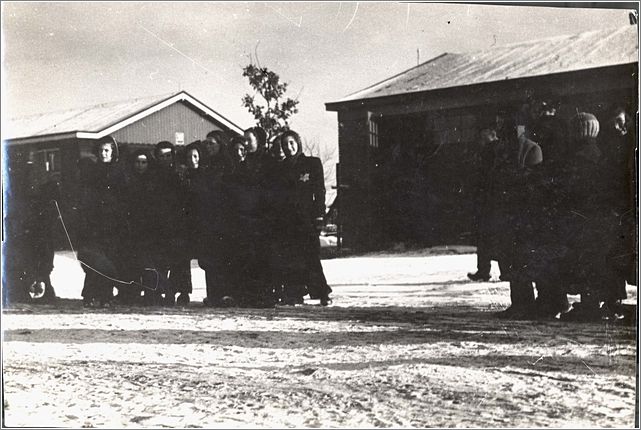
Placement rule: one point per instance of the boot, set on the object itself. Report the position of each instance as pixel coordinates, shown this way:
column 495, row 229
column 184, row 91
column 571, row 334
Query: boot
column 522, row 296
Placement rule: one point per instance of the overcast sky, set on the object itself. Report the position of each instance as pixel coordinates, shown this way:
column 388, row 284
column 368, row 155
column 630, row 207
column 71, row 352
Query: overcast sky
column 63, row 55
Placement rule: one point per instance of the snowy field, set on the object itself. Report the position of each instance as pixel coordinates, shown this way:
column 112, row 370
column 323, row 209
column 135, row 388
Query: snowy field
column 407, row 342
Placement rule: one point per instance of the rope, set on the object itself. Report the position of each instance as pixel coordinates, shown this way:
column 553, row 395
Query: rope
column 119, row 281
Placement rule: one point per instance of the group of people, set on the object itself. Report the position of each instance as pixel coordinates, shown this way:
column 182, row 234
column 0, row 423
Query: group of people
column 247, row 209
column 555, row 205
column 556, row 209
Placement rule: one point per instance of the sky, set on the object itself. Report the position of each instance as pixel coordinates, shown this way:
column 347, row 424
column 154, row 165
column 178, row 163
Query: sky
column 61, row 55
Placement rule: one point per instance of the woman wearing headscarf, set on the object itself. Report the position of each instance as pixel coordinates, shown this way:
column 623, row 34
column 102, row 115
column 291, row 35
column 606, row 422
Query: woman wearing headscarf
column 139, row 251
column 103, row 225
column 308, row 181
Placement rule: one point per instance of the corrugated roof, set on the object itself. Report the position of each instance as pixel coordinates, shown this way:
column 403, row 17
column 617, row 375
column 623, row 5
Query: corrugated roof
column 90, row 119
column 97, row 119
column 521, row 60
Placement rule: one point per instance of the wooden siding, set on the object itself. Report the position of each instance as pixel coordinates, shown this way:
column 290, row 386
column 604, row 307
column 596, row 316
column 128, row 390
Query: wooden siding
column 355, row 214
column 163, row 125
column 430, row 201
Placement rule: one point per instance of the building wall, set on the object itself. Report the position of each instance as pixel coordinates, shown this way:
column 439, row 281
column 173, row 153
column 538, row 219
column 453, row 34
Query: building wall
column 164, row 124
column 355, row 210
column 428, row 198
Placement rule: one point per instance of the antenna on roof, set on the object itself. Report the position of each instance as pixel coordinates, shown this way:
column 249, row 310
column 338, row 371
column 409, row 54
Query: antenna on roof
column 418, row 56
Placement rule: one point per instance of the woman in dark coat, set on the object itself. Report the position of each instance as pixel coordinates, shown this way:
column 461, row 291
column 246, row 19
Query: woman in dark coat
column 189, row 236
column 215, row 257
column 286, row 231
column 167, row 204
column 618, row 143
column 103, row 225
column 308, row 182
column 247, row 228
column 140, row 211
column 591, row 223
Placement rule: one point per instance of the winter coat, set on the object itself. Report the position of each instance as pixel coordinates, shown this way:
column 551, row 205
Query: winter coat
column 167, row 205
column 103, row 207
column 194, row 192
column 621, row 176
column 140, row 206
column 507, row 223
column 587, row 221
column 307, row 175
column 551, row 135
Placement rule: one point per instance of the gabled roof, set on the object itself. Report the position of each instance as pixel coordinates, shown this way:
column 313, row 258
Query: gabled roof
column 521, row 60
column 94, row 122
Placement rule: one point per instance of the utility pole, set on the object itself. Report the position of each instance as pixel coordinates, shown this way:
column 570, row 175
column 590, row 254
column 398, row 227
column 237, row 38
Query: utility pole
column 418, row 56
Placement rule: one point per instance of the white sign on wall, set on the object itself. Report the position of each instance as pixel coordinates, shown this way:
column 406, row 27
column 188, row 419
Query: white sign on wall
column 180, row 138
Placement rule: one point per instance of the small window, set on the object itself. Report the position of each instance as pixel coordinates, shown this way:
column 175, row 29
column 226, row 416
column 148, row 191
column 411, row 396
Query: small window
column 49, row 160
column 373, row 130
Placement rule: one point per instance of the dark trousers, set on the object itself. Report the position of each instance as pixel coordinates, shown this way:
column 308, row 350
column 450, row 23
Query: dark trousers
column 483, row 262
column 217, row 281
column 101, row 273
column 316, row 282
column 216, row 260
column 180, row 276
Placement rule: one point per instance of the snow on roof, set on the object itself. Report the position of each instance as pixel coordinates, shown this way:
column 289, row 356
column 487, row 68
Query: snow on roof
column 588, row 50
column 98, row 120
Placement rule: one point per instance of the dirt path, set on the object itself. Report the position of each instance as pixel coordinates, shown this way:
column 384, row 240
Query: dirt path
column 425, row 354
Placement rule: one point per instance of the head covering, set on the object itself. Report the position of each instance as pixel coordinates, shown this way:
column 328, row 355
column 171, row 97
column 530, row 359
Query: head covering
column 165, row 144
column 584, row 126
column 296, row 136
column 219, row 136
column 108, row 140
column 198, row 146
column 261, row 135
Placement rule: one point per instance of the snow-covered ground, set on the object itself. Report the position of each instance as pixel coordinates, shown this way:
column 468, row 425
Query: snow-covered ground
column 407, row 342
column 346, row 274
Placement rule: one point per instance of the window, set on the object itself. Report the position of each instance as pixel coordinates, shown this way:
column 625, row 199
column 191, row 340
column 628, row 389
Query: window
column 48, row 160
column 373, row 129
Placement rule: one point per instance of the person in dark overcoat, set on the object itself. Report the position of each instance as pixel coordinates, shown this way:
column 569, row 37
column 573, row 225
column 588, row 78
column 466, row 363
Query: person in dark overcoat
column 103, row 229
column 190, row 238
column 618, row 143
column 215, row 258
column 287, row 232
column 489, row 142
column 29, row 221
column 247, row 227
column 589, row 219
column 167, row 201
column 508, row 214
column 306, row 173
column 139, row 252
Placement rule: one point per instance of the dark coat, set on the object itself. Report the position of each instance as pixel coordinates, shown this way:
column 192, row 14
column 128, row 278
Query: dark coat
column 167, row 207
column 621, row 176
column 195, row 192
column 140, row 206
column 586, row 219
column 306, row 173
column 104, row 228
column 246, row 226
column 551, row 135
column 103, row 207
column 507, row 213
